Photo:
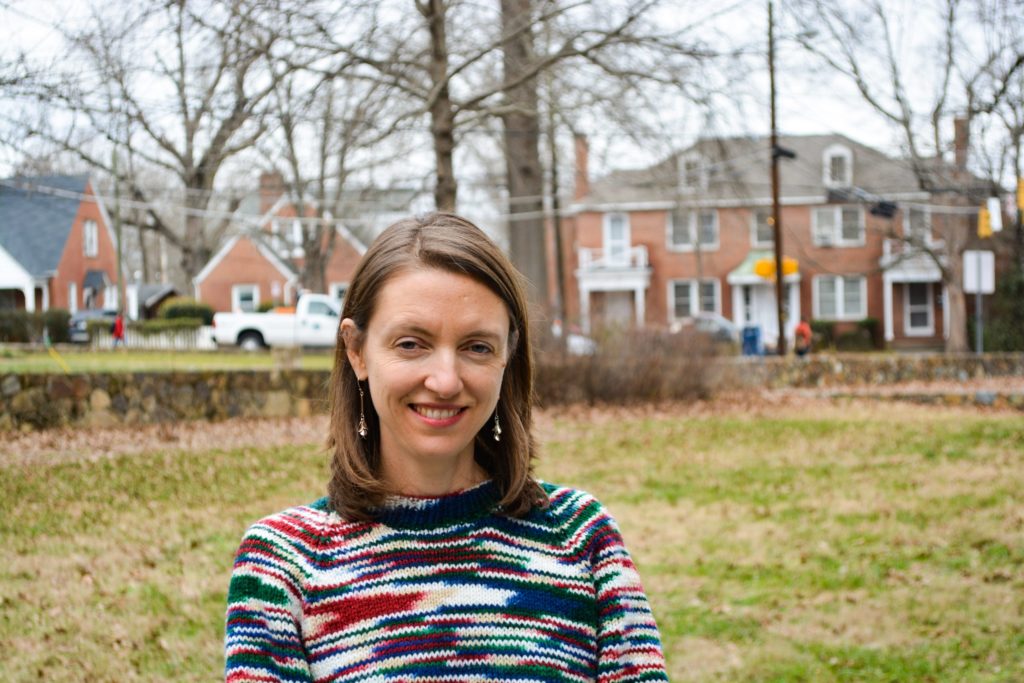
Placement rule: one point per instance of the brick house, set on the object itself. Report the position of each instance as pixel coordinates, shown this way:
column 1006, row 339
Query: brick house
column 260, row 262
column 57, row 249
column 652, row 246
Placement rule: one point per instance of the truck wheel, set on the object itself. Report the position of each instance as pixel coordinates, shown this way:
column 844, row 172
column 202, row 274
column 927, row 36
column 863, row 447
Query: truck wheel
column 250, row 341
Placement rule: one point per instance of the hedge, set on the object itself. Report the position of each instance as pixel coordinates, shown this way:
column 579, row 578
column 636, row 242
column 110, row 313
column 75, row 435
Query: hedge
column 23, row 327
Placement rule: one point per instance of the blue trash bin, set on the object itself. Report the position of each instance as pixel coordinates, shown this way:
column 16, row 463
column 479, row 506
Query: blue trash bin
column 752, row 345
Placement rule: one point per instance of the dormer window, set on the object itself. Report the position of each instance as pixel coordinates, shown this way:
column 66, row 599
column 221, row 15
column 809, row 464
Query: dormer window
column 692, row 174
column 837, row 166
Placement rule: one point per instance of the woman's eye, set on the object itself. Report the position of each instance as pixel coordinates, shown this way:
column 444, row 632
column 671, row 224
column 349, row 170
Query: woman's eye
column 407, row 345
column 480, row 348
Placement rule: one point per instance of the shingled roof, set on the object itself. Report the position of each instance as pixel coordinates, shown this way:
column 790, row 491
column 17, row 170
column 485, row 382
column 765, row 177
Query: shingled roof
column 36, row 215
column 739, row 170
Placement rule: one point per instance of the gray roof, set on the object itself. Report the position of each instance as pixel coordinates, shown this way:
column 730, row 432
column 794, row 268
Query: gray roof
column 739, row 169
column 35, row 220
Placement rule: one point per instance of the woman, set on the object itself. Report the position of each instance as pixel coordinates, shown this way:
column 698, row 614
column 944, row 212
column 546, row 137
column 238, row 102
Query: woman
column 436, row 555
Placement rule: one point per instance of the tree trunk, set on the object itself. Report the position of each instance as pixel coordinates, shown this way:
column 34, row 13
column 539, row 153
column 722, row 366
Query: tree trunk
column 955, row 233
column 527, row 243
column 442, row 117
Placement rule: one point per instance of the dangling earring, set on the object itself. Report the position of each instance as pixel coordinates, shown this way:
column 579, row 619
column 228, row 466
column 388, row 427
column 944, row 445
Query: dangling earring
column 361, row 430
column 496, row 430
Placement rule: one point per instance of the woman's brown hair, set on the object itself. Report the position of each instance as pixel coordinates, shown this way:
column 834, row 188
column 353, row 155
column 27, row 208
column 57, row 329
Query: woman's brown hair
column 453, row 244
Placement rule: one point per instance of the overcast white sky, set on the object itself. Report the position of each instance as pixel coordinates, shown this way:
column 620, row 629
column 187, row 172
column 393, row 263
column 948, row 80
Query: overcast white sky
column 806, row 103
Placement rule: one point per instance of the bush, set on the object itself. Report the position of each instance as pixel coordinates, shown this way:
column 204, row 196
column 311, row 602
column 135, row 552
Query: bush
column 56, row 321
column 823, row 332
column 267, row 306
column 23, row 327
column 1004, row 326
column 628, row 366
column 158, row 326
column 186, row 307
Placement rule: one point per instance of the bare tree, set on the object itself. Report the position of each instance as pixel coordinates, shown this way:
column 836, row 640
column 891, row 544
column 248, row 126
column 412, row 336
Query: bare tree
column 457, row 71
column 328, row 135
column 969, row 65
column 181, row 87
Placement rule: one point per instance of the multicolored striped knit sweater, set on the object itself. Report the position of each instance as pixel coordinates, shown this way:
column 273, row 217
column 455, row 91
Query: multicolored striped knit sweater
column 441, row 589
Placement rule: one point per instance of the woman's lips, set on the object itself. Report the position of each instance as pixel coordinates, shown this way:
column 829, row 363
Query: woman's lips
column 439, row 416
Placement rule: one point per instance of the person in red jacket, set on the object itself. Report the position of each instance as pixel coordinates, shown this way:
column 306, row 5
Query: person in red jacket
column 117, row 330
column 803, row 338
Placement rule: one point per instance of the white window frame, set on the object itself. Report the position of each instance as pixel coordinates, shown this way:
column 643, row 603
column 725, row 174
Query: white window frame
column 754, row 242
column 836, row 239
column 831, row 152
column 333, row 289
column 72, row 297
column 692, row 230
column 606, row 239
column 929, row 307
column 841, row 313
column 907, row 231
column 90, row 239
column 694, row 289
column 236, row 296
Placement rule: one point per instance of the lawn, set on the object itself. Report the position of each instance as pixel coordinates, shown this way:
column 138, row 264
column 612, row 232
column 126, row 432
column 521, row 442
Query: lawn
column 86, row 360
column 858, row 542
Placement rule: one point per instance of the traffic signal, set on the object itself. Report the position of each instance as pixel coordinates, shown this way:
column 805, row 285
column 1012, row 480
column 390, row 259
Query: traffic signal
column 984, row 223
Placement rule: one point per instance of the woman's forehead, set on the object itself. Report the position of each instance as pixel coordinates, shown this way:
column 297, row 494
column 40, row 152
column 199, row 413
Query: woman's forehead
column 432, row 296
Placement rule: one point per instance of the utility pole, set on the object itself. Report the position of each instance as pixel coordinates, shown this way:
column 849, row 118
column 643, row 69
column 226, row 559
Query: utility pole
column 776, row 217
column 121, row 291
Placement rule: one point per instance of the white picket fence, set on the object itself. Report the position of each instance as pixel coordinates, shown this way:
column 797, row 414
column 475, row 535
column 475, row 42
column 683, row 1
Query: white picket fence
column 200, row 338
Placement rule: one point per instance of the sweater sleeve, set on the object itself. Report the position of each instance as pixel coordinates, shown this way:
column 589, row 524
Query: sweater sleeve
column 263, row 640
column 629, row 647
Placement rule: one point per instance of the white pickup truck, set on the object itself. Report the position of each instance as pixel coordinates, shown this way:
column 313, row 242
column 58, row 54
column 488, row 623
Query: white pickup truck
column 314, row 323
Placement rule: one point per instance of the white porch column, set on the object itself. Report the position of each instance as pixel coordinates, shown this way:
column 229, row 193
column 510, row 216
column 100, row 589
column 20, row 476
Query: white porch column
column 46, row 295
column 639, row 306
column 738, row 313
column 887, row 307
column 794, row 310
column 29, row 292
column 585, row 309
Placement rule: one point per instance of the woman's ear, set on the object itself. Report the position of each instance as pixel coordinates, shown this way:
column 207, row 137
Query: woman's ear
column 353, row 338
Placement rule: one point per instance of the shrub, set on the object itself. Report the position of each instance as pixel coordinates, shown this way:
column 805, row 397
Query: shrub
column 158, row 326
column 268, row 306
column 1004, row 327
column 56, row 322
column 15, row 326
column 186, row 307
column 23, row 326
column 628, row 366
column 824, row 332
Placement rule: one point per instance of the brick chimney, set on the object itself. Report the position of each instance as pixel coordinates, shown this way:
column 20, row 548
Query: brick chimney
column 961, row 141
column 582, row 171
column 271, row 188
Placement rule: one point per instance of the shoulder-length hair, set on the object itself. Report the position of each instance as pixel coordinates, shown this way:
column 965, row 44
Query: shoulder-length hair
column 453, row 244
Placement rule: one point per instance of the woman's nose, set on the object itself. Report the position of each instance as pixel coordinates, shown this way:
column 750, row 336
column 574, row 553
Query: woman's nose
column 443, row 375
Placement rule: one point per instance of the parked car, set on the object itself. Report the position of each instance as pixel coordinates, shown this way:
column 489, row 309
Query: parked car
column 313, row 322
column 717, row 327
column 78, row 325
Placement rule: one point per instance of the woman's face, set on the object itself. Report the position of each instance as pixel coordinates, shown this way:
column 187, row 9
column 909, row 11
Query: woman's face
column 433, row 354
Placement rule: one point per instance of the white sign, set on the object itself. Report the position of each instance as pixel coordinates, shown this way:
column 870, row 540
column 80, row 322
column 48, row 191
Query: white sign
column 979, row 272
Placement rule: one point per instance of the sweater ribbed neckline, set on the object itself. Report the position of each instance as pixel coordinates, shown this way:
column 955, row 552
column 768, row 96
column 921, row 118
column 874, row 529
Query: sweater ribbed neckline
column 414, row 512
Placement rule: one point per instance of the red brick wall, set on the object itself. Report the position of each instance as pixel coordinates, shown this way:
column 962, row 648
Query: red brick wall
column 649, row 228
column 243, row 264
column 74, row 264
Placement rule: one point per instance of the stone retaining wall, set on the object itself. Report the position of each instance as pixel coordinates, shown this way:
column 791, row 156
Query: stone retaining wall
column 34, row 401
column 39, row 401
column 828, row 370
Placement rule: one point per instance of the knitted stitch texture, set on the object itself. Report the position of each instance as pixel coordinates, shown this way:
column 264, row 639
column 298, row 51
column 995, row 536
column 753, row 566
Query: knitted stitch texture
column 440, row 589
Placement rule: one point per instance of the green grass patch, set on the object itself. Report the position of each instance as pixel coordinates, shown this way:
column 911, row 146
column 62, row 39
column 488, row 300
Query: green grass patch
column 123, row 360
column 789, row 547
